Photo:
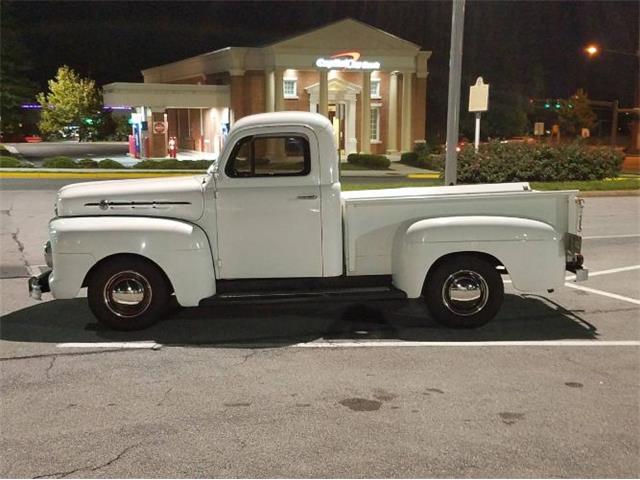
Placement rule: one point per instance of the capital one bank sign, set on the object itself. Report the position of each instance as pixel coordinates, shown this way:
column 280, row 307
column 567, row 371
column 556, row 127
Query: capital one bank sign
column 346, row 61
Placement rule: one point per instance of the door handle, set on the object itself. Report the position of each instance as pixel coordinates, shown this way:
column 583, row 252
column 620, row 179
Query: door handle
column 307, row 197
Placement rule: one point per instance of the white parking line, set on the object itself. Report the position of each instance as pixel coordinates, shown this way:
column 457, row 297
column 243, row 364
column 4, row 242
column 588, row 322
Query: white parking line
column 523, row 343
column 604, row 294
column 600, row 237
column 389, row 344
column 147, row 345
column 607, row 272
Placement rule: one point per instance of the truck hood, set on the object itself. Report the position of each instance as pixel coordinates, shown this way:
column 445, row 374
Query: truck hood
column 175, row 197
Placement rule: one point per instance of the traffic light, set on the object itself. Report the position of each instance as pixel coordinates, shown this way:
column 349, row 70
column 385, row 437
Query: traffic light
column 88, row 121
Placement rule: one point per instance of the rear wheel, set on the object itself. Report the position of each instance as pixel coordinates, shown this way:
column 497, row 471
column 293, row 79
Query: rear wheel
column 128, row 293
column 464, row 291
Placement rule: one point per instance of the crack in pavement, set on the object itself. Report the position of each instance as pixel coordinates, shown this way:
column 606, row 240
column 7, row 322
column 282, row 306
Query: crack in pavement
column 164, row 397
column 22, row 258
column 48, row 370
column 92, row 469
column 247, row 357
column 69, row 354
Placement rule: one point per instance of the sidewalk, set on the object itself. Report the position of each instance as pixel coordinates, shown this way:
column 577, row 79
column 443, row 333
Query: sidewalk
column 396, row 169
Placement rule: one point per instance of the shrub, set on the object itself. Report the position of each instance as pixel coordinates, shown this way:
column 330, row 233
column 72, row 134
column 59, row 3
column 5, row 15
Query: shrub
column 108, row 163
column 428, row 161
column 374, row 162
column 173, row 164
column 10, row 162
column 498, row 162
column 87, row 163
column 409, row 158
column 421, row 148
column 59, row 162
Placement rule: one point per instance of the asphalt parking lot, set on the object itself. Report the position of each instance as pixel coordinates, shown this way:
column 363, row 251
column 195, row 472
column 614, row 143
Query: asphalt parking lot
column 550, row 388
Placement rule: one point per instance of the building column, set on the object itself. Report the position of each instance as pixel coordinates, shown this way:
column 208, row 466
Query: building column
column 236, row 91
column 365, row 127
column 269, row 91
column 352, row 141
column 279, row 90
column 392, row 138
column 323, row 103
column 405, row 127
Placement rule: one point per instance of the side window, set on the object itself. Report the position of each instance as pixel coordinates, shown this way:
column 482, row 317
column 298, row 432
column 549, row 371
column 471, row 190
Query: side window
column 270, row 156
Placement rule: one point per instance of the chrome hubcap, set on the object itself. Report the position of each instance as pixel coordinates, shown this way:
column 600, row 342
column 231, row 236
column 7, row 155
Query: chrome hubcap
column 127, row 294
column 465, row 293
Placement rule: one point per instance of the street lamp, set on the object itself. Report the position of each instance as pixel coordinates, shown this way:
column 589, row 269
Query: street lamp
column 592, row 50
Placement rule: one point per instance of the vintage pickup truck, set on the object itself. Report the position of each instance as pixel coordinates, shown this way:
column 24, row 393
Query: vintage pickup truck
column 269, row 221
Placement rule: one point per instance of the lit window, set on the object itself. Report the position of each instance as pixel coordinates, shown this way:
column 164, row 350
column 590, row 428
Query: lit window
column 375, row 124
column 375, row 88
column 290, row 88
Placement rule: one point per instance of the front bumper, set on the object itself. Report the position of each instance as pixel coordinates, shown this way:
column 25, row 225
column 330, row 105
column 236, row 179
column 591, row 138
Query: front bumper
column 39, row 285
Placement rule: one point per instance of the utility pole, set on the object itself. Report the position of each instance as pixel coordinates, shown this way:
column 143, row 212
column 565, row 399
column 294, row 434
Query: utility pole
column 453, row 105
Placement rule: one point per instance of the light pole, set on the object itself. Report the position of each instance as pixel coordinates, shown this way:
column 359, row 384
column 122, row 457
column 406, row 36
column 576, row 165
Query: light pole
column 453, row 105
column 592, row 50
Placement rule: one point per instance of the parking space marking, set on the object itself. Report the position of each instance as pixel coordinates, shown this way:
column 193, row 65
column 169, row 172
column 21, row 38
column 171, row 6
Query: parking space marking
column 516, row 343
column 147, row 345
column 608, row 272
column 598, row 273
column 604, row 294
column 602, row 237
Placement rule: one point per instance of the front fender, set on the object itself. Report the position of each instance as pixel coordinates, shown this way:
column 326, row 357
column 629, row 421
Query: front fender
column 179, row 248
column 532, row 251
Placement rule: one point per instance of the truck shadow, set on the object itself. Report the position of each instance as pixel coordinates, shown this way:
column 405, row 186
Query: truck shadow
column 247, row 326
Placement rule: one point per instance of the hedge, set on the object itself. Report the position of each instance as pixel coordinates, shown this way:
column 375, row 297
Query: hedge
column 108, row 163
column 59, row 162
column 173, row 164
column 497, row 162
column 87, row 163
column 11, row 162
column 414, row 159
column 374, row 162
column 159, row 164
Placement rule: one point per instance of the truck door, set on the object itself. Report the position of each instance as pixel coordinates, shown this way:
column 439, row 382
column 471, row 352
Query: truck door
column 268, row 207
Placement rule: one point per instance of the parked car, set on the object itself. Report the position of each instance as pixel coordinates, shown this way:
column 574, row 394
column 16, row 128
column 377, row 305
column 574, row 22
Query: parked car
column 269, row 221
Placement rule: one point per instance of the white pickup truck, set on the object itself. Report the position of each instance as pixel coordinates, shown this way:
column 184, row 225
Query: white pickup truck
column 269, row 221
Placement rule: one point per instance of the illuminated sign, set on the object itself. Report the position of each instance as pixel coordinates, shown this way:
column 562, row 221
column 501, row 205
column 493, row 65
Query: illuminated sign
column 346, row 61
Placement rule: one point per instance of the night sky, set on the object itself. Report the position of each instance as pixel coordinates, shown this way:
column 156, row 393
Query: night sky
column 532, row 47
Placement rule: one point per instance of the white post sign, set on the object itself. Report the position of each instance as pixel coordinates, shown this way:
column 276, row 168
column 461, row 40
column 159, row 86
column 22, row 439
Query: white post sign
column 478, row 103
column 538, row 129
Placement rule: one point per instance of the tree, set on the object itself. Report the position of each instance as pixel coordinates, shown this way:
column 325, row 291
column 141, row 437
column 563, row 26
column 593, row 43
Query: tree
column 71, row 101
column 15, row 88
column 576, row 114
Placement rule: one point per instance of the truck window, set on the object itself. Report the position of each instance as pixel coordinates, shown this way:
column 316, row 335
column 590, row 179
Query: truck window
column 262, row 156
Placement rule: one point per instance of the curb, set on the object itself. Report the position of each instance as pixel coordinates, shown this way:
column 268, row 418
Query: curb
column 91, row 173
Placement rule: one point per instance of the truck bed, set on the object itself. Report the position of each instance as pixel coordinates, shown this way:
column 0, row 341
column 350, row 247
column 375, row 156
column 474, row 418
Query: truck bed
column 372, row 217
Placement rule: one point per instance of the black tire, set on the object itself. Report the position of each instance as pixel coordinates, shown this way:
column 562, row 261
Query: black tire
column 128, row 293
column 474, row 281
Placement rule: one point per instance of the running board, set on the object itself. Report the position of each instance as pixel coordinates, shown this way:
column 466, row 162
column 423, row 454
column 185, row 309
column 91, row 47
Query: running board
column 282, row 296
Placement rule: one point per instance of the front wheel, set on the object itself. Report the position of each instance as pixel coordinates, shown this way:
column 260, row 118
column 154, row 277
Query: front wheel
column 128, row 293
column 464, row 292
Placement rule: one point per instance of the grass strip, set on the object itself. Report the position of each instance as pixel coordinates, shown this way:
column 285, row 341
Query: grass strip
column 620, row 183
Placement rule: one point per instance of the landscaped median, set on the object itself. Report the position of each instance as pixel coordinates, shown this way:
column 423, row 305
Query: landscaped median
column 65, row 167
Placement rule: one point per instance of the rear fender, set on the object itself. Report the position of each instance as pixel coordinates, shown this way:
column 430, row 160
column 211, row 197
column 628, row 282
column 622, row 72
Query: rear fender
column 530, row 250
column 179, row 248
